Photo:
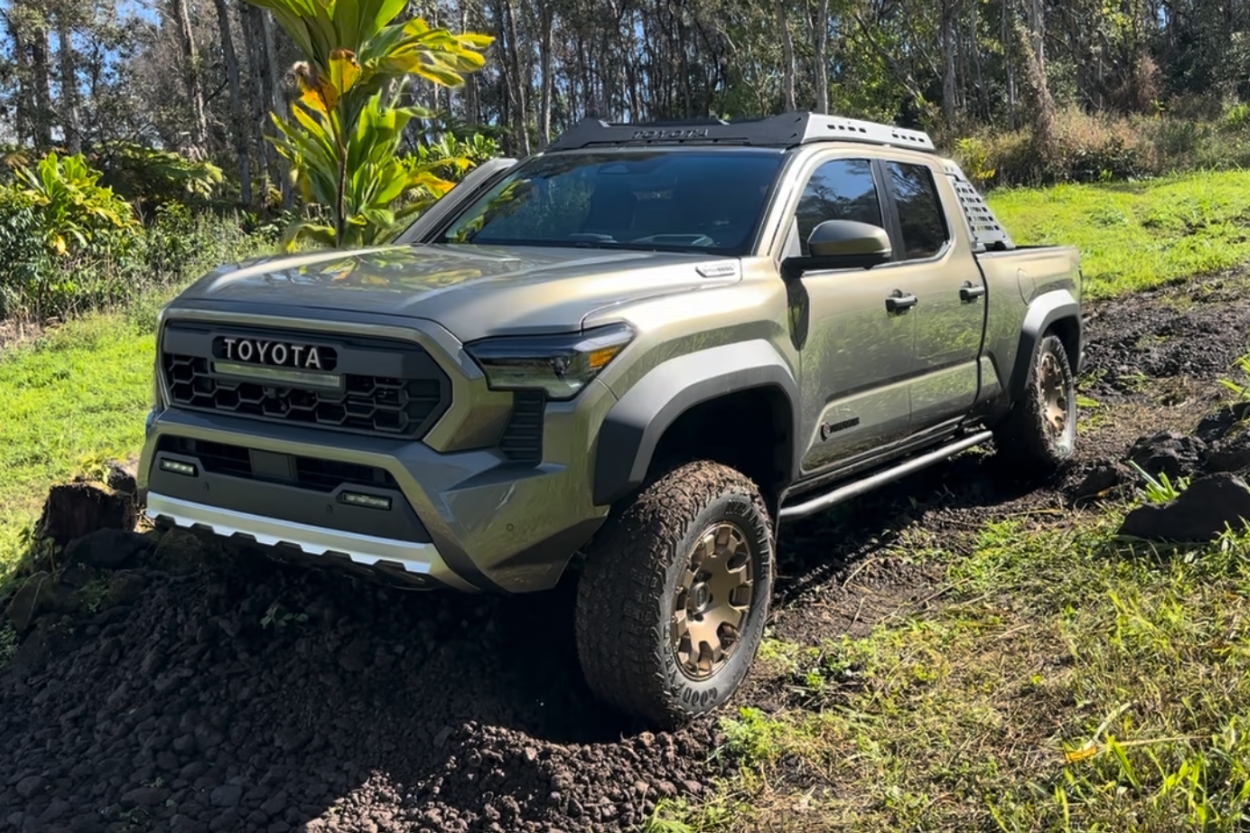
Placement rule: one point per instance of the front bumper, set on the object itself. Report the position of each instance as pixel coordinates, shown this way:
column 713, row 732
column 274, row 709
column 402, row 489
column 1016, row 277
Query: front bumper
column 416, row 564
column 478, row 522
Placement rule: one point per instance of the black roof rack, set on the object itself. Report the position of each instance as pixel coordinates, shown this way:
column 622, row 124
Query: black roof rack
column 782, row 131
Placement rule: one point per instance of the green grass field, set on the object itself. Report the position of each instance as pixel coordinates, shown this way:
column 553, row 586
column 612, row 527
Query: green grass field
column 1135, row 236
column 71, row 399
column 1066, row 682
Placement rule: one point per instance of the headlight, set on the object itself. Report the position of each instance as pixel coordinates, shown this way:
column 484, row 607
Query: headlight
column 560, row 365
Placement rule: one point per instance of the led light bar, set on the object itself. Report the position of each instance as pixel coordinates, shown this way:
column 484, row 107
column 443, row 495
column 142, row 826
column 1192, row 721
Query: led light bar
column 367, row 501
column 178, row 467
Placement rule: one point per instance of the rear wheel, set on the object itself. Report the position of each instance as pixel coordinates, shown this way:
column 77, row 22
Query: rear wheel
column 1040, row 431
column 672, row 601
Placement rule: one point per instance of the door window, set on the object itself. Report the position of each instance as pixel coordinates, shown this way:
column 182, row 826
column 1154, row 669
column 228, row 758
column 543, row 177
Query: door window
column 919, row 210
column 839, row 190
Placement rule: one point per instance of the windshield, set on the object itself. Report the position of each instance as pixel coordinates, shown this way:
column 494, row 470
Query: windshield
column 669, row 200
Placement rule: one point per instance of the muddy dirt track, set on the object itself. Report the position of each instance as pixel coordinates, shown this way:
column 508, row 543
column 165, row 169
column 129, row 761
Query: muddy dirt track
column 175, row 705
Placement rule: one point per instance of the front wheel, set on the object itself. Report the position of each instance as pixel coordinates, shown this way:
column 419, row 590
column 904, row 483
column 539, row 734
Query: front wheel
column 672, row 601
column 1040, row 431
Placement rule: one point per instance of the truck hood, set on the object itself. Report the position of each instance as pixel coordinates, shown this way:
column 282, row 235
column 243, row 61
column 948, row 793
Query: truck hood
column 473, row 291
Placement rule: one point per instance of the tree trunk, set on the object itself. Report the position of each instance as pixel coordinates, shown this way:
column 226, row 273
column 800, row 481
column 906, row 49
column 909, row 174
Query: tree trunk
column 43, row 88
column 472, row 96
column 254, row 40
column 1009, row 60
column 983, row 101
column 24, row 117
column 821, row 69
column 1037, row 28
column 949, row 87
column 191, row 73
column 544, row 60
column 521, row 118
column 683, row 37
column 238, row 119
column 69, row 85
column 273, row 96
column 787, row 53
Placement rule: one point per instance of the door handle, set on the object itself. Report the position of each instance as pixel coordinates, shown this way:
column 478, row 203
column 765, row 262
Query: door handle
column 898, row 302
column 969, row 292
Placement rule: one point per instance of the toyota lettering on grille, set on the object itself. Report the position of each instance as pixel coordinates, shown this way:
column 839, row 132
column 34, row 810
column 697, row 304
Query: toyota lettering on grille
column 275, row 353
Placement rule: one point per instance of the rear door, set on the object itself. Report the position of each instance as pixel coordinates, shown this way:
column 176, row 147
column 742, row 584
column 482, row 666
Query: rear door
column 937, row 265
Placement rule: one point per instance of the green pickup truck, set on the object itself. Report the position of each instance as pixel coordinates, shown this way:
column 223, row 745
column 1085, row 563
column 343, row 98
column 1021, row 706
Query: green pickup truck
column 633, row 356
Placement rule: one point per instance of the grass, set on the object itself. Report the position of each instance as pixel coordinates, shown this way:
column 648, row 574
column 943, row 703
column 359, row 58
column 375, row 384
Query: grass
column 1068, row 683
column 1135, row 236
column 73, row 397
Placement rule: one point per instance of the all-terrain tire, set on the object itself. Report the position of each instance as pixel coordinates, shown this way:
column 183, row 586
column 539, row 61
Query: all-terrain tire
column 631, row 591
column 1028, row 436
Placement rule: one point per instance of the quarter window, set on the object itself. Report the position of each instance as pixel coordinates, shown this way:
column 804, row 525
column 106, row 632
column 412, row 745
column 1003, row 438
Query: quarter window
column 919, row 210
column 839, row 190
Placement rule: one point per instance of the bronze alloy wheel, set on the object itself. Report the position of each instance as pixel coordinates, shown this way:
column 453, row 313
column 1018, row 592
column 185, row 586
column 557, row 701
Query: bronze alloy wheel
column 712, row 601
column 1038, row 434
column 1052, row 388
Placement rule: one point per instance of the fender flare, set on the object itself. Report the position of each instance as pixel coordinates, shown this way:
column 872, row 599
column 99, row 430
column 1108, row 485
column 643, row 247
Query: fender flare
column 632, row 429
column 1042, row 314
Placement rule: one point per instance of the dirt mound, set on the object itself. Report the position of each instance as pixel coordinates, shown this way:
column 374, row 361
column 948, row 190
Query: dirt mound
column 256, row 697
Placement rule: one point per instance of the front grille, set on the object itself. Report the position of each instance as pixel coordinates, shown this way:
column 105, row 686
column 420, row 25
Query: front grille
column 392, row 405
column 522, row 440
column 309, row 472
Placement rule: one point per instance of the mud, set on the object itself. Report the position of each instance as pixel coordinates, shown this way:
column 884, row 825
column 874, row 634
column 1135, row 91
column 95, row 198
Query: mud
column 200, row 689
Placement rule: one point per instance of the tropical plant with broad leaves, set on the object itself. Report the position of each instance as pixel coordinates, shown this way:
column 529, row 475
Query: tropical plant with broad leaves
column 454, row 156
column 152, row 178
column 73, row 211
column 342, row 140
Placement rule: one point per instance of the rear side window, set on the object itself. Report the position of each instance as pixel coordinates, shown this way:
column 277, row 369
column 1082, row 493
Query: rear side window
column 839, row 190
column 919, row 210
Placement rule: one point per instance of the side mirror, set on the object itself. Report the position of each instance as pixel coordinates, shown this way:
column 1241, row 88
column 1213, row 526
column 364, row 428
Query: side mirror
column 843, row 244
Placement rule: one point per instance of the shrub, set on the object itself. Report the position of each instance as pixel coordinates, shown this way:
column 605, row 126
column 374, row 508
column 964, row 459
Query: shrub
column 451, row 158
column 153, row 178
column 74, row 213
column 68, row 244
column 1235, row 118
column 1099, row 148
column 56, row 223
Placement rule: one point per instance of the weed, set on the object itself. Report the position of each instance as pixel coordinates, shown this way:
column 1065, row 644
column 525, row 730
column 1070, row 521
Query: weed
column 751, row 738
column 1160, row 489
column 1240, row 390
column 278, row 617
column 94, row 594
column 666, row 819
column 94, row 467
column 1135, row 382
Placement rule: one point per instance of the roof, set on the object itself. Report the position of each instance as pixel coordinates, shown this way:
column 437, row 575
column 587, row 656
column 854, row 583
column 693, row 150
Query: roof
column 784, row 131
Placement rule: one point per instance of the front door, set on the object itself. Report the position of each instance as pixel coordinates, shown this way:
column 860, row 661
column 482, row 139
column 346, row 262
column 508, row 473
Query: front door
column 857, row 352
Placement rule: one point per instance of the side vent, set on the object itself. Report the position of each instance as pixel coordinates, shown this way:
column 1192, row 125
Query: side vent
column 986, row 231
column 522, row 440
